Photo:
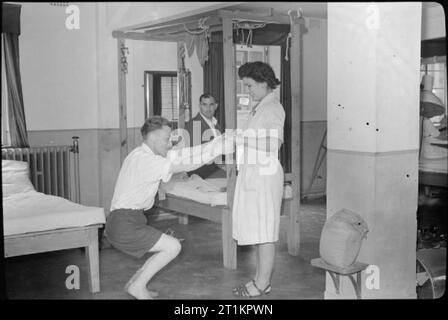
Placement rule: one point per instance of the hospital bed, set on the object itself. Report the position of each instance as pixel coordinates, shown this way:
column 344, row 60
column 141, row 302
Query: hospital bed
column 206, row 199
column 36, row 222
column 433, row 173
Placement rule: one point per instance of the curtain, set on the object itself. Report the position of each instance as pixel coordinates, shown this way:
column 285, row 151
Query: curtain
column 270, row 35
column 285, row 98
column 11, row 31
column 213, row 71
column 157, row 91
column 11, row 18
column 433, row 47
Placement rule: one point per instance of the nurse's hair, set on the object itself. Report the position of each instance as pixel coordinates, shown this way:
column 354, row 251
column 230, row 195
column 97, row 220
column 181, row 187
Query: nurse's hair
column 152, row 124
column 259, row 72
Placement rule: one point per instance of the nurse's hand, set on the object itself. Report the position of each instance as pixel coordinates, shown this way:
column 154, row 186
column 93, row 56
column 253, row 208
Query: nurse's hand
column 228, row 143
column 239, row 138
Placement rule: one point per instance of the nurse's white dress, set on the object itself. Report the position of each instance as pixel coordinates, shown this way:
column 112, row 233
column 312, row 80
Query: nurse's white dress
column 259, row 186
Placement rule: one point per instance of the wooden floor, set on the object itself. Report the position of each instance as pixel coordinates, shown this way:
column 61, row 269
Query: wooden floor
column 197, row 273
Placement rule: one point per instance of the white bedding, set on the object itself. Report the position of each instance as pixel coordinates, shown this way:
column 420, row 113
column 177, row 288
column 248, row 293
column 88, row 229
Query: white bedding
column 208, row 191
column 34, row 211
column 434, row 165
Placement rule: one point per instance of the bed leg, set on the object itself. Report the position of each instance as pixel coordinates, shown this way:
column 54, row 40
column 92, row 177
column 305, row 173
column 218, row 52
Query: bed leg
column 293, row 208
column 228, row 244
column 427, row 191
column 183, row 219
column 92, row 257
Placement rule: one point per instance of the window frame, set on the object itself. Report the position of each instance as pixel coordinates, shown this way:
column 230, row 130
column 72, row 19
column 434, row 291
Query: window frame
column 149, row 76
column 424, row 62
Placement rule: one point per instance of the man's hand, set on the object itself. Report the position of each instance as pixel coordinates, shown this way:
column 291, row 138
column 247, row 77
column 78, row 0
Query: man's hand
column 227, row 143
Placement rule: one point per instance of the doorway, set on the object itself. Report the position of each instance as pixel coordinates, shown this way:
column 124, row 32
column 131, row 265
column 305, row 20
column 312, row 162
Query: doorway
column 160, row 89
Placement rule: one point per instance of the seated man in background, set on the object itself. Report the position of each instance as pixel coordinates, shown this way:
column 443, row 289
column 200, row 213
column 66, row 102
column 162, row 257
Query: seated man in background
column 135, row 191
column 203, row 128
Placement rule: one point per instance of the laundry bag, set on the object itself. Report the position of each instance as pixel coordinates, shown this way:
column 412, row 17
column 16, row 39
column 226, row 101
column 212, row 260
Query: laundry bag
column 342, row 237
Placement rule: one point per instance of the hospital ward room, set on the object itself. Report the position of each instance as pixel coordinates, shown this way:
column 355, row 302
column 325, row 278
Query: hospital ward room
column 244, row 151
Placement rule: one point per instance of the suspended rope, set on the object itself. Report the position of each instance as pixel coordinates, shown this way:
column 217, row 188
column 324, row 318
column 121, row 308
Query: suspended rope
column 201, row 25
column 250, row 26
column 288, row 40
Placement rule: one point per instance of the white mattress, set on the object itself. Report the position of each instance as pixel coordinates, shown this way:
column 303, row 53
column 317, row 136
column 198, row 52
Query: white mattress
column 34, row 211
column 434, row 165
column 188, row 190
column 203, row 192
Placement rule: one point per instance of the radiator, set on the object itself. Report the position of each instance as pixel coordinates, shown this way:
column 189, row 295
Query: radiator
column 54, row 170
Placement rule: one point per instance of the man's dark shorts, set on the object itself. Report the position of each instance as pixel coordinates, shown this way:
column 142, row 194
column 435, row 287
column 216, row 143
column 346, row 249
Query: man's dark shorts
column 127, row 231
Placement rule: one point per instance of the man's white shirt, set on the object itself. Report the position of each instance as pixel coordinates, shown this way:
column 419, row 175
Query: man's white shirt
column 139, row 179
column 211, row 123
column 142, row 171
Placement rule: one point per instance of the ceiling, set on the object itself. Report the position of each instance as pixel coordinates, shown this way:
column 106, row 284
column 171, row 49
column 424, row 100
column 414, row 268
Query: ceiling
column 309, row 9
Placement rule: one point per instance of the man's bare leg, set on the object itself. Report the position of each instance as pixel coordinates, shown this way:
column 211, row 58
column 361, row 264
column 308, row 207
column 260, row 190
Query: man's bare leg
column 166, row 249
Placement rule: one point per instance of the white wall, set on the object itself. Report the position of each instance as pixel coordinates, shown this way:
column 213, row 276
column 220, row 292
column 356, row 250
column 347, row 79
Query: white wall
column 364, row 67
column 156, row 56
column 315, row 70
column 72, row 74
column 145, row 56
column 58, row 68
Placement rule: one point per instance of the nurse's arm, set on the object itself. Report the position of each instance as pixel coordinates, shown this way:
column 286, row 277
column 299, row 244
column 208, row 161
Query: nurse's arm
column 267, row 144
column 192, row 158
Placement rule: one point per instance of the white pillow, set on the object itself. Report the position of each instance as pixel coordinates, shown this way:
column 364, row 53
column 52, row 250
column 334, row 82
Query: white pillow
column 15, row 177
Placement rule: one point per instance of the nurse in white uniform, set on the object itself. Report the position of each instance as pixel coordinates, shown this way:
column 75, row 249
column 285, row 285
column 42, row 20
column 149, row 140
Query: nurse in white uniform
column 259, row 185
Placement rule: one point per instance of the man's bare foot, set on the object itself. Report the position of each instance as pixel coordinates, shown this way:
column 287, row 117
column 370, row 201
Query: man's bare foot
column 139, row 292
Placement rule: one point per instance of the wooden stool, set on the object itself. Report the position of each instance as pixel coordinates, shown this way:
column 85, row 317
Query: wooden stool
column 335, row 272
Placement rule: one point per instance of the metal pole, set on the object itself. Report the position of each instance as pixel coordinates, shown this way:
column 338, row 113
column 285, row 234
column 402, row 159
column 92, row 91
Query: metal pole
column 75, row 150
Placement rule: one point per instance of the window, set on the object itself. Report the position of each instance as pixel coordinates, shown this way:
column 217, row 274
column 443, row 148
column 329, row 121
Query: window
column 6, row 141
column 168, row 87
column 161, row 95
column 436, row 67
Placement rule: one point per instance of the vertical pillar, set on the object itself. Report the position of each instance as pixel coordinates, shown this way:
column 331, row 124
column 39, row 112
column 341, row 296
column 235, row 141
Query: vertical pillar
column 296, row 116
column 230, row 99
column 179, row 97
column 373, row 128
column 122, row 100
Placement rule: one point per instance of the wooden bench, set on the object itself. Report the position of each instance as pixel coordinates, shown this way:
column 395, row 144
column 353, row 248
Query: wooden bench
column 335, row 272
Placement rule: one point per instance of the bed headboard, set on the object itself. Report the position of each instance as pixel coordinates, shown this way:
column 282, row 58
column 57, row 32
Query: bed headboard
column 54, row 170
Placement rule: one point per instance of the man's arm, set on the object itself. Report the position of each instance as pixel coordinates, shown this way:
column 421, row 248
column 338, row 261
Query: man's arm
column 188, row 159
